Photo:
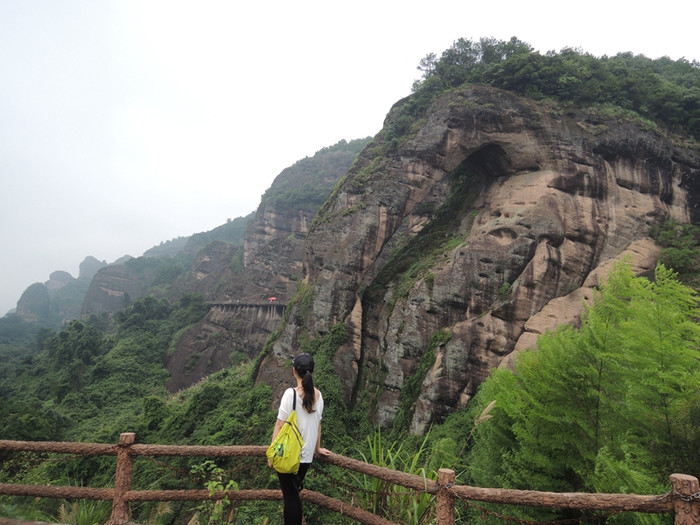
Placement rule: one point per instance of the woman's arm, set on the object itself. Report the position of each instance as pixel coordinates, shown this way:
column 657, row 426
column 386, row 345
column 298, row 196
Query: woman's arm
column 320, row 451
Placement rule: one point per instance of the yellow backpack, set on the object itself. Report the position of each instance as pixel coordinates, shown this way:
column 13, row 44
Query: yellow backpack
column 285, row 451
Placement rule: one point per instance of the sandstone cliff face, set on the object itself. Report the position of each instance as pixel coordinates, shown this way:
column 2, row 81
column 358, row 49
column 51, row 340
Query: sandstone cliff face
column 270, row 264
column 493, row 222
column 112, row 288
column 34, row 304
column 89, row 267
column 238, row 281
column 61, row 297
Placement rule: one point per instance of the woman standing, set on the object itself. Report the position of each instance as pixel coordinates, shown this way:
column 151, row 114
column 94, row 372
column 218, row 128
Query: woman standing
column 309, row 421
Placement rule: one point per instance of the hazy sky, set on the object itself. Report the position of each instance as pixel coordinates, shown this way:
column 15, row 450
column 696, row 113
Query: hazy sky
column 127, row 123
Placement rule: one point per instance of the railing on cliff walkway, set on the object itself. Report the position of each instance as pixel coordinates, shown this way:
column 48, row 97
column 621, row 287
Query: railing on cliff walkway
column 274, row 306
column 683, row 499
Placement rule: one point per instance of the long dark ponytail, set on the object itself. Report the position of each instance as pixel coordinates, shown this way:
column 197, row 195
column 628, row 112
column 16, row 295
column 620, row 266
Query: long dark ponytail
column 304, row 366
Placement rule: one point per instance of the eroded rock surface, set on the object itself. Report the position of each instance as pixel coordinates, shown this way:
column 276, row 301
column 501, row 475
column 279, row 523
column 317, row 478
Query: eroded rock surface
column 239, row 281
column 494, row 222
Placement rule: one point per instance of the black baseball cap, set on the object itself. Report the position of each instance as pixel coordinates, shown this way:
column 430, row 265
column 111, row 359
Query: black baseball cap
column 303, row 363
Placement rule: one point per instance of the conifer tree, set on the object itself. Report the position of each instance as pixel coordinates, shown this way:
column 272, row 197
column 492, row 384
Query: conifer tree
column 606, row 407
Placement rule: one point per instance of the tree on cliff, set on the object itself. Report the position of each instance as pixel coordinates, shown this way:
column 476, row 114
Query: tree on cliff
column 663, row 90
column 609, row 407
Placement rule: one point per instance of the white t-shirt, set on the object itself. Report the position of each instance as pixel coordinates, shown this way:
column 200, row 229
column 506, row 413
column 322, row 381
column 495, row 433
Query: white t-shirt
column 308, row 422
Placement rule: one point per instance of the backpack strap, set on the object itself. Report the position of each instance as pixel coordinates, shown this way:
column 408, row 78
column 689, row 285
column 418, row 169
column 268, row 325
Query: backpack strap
column 294, row 399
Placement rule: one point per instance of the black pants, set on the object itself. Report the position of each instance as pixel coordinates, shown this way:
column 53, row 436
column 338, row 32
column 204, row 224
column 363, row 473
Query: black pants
column 291, row 485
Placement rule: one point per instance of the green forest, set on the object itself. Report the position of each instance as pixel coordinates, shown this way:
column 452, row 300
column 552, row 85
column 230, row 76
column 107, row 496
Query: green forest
column 664, row 91
column 610, row 406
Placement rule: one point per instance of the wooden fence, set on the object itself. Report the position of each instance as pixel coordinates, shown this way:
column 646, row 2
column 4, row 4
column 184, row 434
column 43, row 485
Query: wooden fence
column 683, row 499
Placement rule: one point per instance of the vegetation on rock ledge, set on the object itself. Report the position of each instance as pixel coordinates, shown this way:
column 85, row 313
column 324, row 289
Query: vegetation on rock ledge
column 663, row 90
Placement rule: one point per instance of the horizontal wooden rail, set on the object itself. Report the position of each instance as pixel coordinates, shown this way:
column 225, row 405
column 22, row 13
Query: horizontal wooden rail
column 411, row 481
column 52, row 491
column 568, row 500
column 60, row 447
column 684, row 499
column 197, row 450
column 344, row 509
column 98, row 449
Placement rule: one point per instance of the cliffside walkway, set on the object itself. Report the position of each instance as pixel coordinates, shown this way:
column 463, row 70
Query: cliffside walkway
column 265, row 309
column 683, row 499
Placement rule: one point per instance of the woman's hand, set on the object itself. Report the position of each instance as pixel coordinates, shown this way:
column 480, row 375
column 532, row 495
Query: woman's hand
column 323, row 452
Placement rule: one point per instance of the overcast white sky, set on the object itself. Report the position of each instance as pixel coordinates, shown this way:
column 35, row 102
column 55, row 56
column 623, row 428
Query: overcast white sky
column 127, row 123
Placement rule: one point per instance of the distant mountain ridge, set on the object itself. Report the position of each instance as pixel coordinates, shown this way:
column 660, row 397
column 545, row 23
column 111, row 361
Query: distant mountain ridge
column 177, row 266
column 60, row 298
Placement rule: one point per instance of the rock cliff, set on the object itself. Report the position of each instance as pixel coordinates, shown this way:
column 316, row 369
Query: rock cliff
column 270, row 264
column 59, row 299
column 238, row 281
column 492, row 222
column 113, row 288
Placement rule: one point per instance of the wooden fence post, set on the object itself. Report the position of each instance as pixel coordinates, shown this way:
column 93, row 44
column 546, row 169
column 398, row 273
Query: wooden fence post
column 125, row 464
column 686, row 499
column 445, row 505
